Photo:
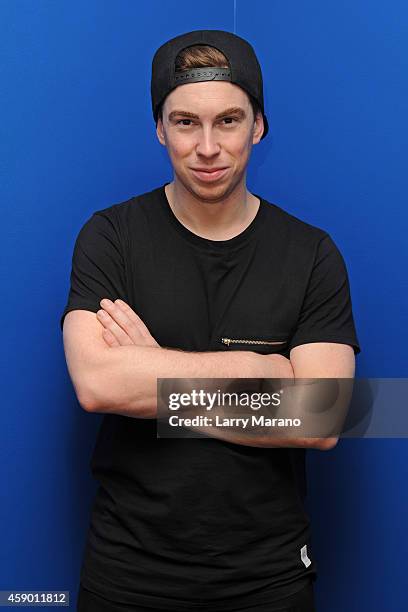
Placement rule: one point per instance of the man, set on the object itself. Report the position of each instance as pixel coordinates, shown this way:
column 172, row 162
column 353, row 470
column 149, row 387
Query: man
column 201, row 278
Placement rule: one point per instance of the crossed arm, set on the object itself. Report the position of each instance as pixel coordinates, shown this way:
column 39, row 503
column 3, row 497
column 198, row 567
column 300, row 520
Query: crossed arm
column 114, row 363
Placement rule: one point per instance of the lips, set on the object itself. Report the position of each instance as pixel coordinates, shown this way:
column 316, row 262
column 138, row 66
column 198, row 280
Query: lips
column 209, row 169
column 209, row 174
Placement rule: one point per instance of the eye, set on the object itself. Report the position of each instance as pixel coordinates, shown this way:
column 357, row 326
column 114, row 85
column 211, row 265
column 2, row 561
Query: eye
column 229, row 119
column 179, row 122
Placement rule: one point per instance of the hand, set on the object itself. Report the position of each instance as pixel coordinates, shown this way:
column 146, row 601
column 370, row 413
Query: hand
column 122, row 326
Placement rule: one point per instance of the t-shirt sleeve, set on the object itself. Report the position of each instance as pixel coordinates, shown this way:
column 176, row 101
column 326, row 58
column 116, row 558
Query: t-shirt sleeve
column 326, row 313
column 97, row 269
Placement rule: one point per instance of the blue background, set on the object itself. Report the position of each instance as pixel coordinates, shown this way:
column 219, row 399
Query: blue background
column 77, row 135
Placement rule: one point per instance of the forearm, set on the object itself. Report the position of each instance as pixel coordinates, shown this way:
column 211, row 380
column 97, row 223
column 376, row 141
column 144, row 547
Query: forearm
column 271, row 366
column 124, row 381
column 310, row 413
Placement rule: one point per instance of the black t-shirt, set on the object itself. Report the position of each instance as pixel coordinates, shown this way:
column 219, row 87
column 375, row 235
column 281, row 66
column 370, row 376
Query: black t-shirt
column 193, row 523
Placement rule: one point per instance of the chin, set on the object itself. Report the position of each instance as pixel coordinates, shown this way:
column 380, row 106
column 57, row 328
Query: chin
column 210, row 192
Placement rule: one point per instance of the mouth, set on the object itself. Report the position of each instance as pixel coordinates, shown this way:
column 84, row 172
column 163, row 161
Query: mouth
column 209, row 176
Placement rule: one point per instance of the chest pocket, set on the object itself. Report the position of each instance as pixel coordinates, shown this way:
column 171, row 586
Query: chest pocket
column 260, row 343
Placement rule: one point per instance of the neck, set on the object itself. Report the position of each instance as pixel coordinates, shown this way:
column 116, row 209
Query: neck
column 214, row 218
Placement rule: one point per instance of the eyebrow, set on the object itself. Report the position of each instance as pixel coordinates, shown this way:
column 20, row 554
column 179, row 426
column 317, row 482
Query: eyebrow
column 234, row 110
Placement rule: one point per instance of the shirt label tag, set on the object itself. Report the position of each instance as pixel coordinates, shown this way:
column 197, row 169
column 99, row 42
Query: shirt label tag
column 304, row 557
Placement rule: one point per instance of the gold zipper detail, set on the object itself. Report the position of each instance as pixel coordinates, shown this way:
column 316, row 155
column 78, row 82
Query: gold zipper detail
column 229, row 341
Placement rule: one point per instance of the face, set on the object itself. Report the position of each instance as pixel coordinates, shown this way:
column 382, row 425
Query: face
column 209, row 125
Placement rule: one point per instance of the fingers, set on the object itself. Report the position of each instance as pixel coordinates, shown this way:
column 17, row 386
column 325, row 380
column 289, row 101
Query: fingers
column 115, row 330
column 134, row 318
column 125, row 318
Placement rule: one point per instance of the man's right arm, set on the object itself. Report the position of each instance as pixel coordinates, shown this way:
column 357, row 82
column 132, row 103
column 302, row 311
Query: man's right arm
column 123, row 379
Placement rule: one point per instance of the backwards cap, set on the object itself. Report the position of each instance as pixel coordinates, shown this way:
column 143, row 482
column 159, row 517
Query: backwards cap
column 244, row 69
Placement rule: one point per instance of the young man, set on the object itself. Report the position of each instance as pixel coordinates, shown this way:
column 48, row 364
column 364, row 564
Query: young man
column 201, row 278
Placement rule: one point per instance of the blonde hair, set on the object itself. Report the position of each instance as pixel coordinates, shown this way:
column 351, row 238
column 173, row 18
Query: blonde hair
column 200, row 56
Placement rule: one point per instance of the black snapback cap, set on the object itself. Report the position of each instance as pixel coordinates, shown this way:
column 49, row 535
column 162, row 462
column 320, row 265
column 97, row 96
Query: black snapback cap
column 244, row 69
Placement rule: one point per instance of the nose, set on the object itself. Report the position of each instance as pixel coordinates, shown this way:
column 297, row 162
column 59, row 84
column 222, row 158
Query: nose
column 207, row 145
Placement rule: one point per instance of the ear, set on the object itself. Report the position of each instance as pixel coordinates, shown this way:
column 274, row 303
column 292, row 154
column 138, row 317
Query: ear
column 160, row 132
column 258, row 128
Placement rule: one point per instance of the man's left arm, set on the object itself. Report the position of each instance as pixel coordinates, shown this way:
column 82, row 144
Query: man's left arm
column 322, row 346
column 325, row 341
column 305, row 397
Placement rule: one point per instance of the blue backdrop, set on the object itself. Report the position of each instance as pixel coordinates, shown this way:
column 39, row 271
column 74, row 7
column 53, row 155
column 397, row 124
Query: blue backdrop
column 77, row 135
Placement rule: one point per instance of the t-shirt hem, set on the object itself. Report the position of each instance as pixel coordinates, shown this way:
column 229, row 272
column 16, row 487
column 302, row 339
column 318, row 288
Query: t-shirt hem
column 325, row 338
column 124, row 597
column 91, row 306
